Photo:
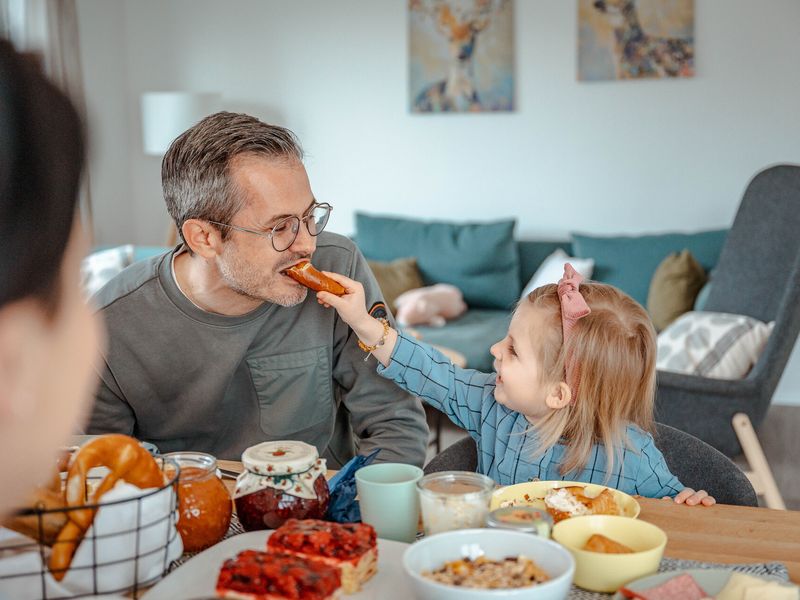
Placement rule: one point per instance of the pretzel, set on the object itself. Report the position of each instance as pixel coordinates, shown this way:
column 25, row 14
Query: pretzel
column 127, row 460
column 305, row 274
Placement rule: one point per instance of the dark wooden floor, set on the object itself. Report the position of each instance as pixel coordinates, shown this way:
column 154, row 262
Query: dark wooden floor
column 779, row 435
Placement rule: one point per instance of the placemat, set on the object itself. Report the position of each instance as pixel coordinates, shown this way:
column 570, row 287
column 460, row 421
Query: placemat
column 774, row 569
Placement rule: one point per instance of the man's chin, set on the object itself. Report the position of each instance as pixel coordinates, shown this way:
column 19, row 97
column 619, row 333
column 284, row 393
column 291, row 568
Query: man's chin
column 290, row 298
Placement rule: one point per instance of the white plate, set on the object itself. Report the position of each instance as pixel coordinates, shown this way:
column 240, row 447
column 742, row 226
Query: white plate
column 711, row 580
column 197, row 577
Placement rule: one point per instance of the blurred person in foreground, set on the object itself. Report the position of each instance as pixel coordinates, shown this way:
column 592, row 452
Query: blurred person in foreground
column 49, row 337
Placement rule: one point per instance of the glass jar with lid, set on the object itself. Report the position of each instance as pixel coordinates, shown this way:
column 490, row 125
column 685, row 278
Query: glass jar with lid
column 282, row 480
column 204, row 503
column 527, row 519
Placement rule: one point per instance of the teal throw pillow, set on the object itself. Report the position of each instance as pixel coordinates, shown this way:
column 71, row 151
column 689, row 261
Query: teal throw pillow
column 629, row 262
column 480, row 259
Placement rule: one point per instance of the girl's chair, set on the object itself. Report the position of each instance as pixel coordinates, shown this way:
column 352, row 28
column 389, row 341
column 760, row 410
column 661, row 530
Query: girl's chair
column 694, row 462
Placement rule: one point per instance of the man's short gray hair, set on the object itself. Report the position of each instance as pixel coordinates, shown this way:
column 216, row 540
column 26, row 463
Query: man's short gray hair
column 196, row 170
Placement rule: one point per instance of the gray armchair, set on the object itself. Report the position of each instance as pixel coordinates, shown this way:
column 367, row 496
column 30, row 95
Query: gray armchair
column 694, row 462
column 758, row 274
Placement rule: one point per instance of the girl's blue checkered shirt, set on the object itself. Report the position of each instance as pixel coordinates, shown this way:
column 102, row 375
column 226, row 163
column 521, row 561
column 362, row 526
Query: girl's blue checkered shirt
column 506, row 441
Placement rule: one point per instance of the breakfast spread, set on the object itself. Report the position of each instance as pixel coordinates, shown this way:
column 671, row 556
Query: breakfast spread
column 126, row 460
column 600, row 543
column 454, row 500
column 572, row 501
column 348, row 547
column 485, row 573
column 255, row 575
column 305, row 274
column 282, row 480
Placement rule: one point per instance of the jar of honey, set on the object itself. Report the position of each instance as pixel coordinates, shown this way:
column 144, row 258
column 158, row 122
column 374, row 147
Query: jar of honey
column 204, row 503
column 282, row 480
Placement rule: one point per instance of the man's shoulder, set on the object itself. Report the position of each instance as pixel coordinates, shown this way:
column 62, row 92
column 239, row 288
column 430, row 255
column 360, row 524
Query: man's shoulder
column 337, row 252
column 134, row 279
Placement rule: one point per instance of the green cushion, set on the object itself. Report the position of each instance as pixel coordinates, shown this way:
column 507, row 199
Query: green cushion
column 629, row 262
column 480, row 259
column 472, row 334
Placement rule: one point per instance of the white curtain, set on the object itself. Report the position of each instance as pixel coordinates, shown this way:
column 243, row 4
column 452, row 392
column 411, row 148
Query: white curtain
column 49, row 28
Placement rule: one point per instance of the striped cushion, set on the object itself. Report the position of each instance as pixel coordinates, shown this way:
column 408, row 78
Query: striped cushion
column 717, row 345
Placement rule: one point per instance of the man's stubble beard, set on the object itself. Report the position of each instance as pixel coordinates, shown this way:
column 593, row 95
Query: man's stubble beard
column 242, row 278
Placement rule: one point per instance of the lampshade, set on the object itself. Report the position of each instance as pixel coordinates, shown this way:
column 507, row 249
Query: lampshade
column 166, row 115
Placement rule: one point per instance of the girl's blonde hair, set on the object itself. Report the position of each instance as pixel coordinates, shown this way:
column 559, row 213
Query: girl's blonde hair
column 614, row 347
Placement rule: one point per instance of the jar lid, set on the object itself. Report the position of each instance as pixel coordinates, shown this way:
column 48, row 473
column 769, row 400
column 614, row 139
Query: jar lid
column 521, row 518
column 283, row 457
column 455, row 483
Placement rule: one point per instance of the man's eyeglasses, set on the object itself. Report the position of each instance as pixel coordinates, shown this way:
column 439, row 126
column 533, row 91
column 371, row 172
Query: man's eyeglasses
column 284, row 233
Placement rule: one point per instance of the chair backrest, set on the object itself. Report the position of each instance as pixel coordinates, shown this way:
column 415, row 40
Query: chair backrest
column 758, row 273
column 691, row 460
column 701, row 466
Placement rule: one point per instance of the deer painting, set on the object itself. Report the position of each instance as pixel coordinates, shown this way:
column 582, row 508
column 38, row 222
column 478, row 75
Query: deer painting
column 460, row 24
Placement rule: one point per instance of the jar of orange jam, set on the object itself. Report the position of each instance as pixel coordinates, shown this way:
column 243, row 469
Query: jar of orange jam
column 204, row 503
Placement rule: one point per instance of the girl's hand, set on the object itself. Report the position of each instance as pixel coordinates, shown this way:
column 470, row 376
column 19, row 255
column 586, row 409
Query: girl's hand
column 352, row 306
column 691, row 498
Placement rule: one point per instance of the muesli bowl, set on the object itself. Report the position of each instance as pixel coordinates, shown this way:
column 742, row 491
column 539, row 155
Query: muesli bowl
column 433, row 552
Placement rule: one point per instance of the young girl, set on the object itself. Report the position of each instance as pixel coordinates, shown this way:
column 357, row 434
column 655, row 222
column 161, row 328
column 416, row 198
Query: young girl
column 572, row 396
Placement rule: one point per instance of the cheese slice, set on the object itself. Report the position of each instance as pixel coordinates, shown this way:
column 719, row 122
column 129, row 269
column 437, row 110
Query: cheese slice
column 747, row 587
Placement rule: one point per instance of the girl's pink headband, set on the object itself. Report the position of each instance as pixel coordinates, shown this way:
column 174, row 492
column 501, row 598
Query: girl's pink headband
column 573, row 307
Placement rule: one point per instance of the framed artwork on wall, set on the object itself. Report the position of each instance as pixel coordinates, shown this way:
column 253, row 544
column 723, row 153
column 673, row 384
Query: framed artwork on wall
column 635, row 39
column 461, row 55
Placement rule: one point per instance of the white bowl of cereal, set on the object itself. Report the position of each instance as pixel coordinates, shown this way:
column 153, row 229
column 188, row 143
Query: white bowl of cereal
column 471, row 564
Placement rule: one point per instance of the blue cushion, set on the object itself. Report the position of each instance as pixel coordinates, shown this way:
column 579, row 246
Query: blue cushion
column 629, row 262
column 480, row 259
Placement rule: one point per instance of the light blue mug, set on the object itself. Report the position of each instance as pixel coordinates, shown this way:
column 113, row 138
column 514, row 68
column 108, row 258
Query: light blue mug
column 387, row 493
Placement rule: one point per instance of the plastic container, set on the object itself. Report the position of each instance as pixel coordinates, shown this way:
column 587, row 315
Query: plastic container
column 454, row 500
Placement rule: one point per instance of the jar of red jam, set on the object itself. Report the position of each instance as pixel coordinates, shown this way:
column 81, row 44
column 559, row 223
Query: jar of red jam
column 282, row 480
column 203, row 501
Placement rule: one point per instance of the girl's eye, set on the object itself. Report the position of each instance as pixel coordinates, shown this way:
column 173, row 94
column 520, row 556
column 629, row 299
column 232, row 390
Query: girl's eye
column 511, row 350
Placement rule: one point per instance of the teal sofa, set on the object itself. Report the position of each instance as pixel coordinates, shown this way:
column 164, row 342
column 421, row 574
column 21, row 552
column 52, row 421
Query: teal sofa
column 464, row 253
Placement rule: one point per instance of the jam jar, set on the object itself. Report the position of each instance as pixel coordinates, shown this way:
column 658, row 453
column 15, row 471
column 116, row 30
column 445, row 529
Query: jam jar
column 282, row 480
column 203, row 501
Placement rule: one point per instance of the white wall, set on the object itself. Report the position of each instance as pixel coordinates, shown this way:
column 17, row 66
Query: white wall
column 597, row 157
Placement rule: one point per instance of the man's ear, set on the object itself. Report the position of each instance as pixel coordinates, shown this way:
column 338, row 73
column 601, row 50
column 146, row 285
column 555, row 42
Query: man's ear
column 22, row 327
column 202, row 237
column 558, row 396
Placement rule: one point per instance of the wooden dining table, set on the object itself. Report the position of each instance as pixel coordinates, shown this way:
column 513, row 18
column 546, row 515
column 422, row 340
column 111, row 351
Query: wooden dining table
column 721, row 533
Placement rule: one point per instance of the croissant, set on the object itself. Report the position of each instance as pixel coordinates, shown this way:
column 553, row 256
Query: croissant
column 126, row 459
column 305, row 274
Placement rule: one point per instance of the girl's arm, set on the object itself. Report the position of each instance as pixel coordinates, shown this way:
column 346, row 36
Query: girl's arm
column 415, row 366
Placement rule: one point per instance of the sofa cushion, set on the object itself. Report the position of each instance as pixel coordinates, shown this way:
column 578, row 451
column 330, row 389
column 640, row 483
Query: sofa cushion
column 532, row 254
column 629, row 262
column 710, row 344
column 674, row 287
column 472, row 335
column 480, row 259
column 396, row 277
column 552, row 270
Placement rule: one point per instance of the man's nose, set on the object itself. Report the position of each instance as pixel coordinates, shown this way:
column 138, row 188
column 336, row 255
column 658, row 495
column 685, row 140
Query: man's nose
column 304, row 243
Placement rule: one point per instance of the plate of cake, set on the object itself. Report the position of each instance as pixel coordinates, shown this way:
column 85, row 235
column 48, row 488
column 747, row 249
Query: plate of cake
column 564, row 499
column 311, row 559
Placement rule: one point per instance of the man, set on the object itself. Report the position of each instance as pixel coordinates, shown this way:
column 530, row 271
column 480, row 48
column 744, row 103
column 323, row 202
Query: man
column 212, row 348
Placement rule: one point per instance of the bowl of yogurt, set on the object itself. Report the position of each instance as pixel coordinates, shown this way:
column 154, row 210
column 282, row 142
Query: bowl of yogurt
column 451, row 500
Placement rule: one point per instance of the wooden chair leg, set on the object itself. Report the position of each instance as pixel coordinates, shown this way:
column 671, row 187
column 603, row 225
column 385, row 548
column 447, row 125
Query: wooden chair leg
column 760, row 475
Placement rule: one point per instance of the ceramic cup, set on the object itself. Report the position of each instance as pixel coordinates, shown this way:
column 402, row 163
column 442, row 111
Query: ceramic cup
column 389, row 501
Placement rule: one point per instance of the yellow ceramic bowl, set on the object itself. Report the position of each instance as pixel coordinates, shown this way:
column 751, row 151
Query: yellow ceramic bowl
column 607, row 572
column 532, row 494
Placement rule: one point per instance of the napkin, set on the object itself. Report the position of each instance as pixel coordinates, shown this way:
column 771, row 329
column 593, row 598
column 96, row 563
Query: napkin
column 111, row 539
column 343, row 506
